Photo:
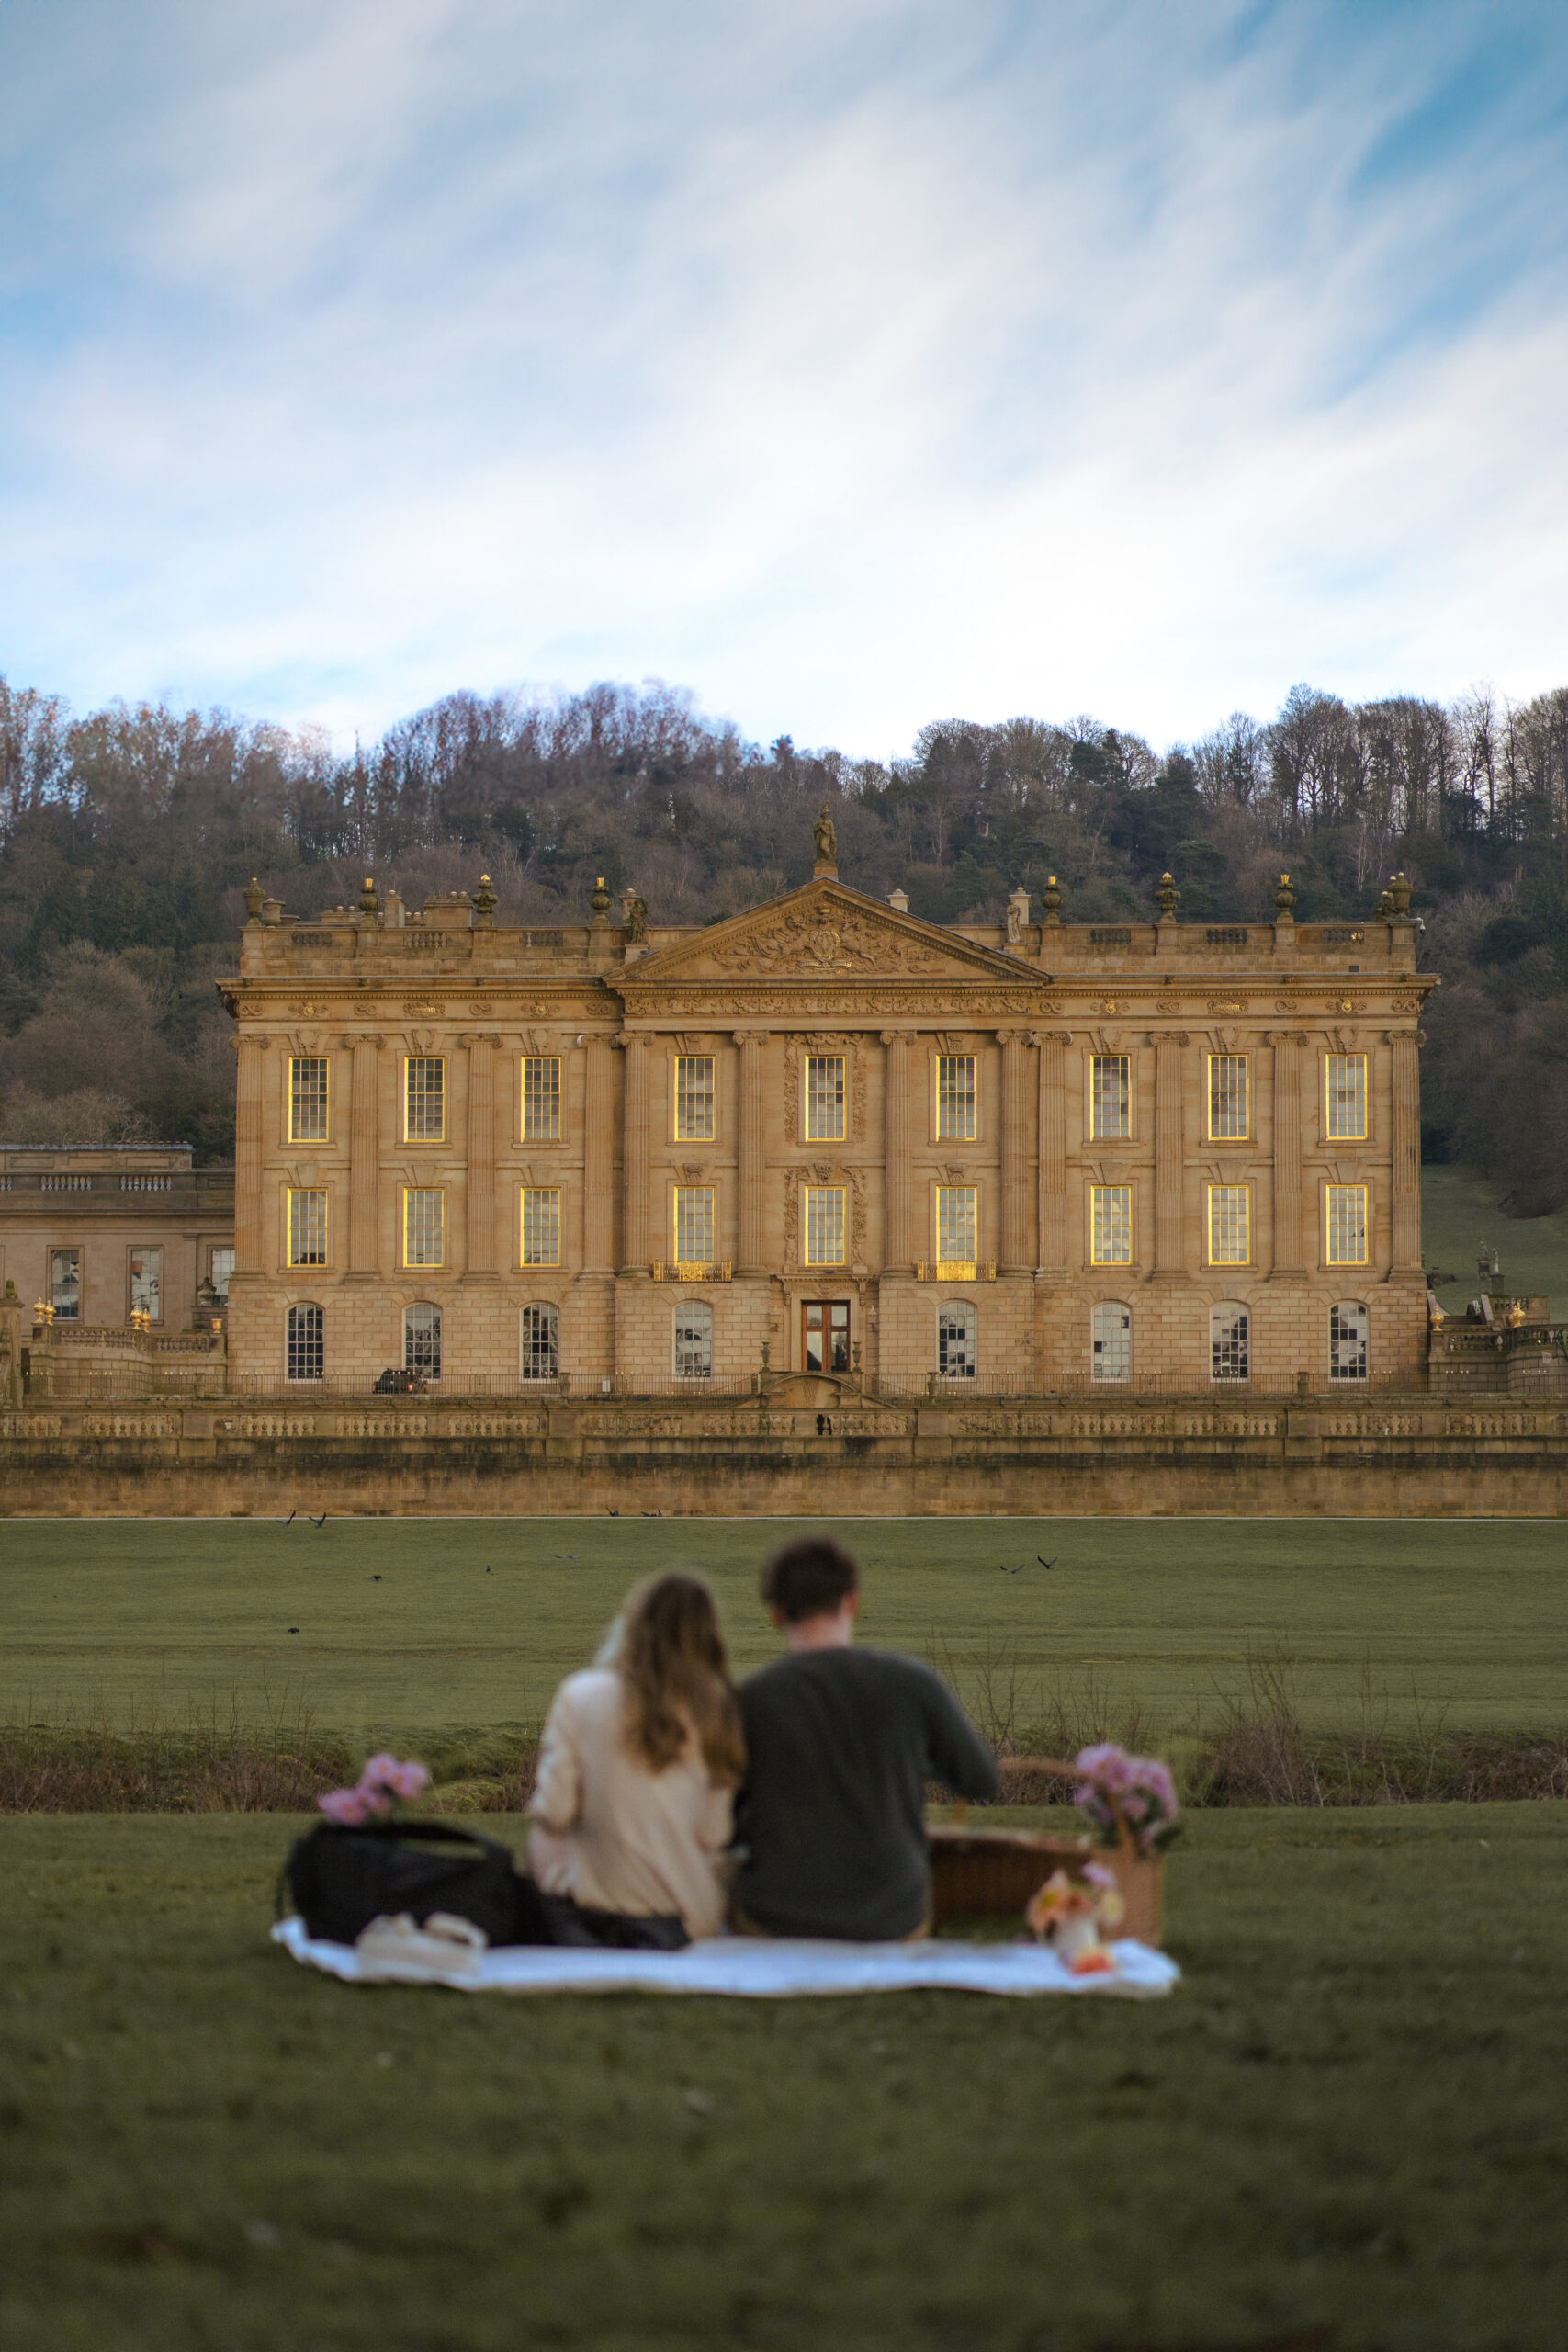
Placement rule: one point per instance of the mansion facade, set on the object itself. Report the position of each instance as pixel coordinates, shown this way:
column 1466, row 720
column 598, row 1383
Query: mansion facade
column 825, row 1137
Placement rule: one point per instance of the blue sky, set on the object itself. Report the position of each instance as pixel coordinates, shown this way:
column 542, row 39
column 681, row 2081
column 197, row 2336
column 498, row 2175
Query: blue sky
column 855, row 365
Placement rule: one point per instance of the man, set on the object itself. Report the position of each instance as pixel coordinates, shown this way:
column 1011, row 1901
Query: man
column 840, row 1744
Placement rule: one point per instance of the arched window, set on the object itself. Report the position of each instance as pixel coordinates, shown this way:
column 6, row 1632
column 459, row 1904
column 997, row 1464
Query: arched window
column 541, row 1343
column 421, row 1340
column 1348, row 1325
column 956, row 1332
column 693, row 1341
column 1111, row 1333
column 304, row 1351
column 1230, row 1333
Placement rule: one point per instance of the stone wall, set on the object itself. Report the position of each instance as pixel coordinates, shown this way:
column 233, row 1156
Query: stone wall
column 1407, row 1456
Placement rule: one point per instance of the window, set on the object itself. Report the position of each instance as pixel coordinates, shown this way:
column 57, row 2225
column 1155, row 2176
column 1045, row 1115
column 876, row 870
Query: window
column 541, row 1098
column 824, row 1225
column 1111, row 1225
column 1230, row 1223
column 424, row 1226
column 541, row 1225
column 955, row 1098
column 308, row 1228
column 222, row 1266
column 304, row 1354
column 1348, row 1342
column 1229, row 1333
column 1110, row 1341
column 424, row 1098
column 147, row 1284
column 65, row 1285
column 825, row 1334
column 693, row 1224
column 1110, row 1097
column 955, row 1225
column 1227, row 1098
column 308, row 1098
column 1345, row 1083
column 693, row 1341
column 541, row 1343
column 421, row 1340
column 693, row 1097
column 824, row 1098
column 1346, row 1218
column 955, row 1351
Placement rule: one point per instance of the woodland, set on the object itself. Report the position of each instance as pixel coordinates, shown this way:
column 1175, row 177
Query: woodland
column 128, row 834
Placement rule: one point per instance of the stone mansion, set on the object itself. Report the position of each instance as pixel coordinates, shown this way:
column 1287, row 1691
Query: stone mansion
column 825, row 1137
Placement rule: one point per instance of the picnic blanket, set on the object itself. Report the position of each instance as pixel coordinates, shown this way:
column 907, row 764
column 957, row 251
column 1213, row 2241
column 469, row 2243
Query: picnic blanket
column 766, row 1969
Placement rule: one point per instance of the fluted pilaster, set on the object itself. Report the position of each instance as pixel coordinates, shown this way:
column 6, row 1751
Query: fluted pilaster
column 635, row 1258
column 251, row 1052
column 481, row 1237
column 899, row 1247
column 1017, row 1257
column 1288, row 1257
column 1169, row 1045
column 364, row 1156
column 1053, row 1256
column 599, row 1159
column 751, row 1245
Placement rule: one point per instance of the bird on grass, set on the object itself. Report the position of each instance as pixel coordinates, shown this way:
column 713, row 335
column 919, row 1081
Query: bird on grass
column 294, row 1629
column 290, row 1520
column 1047, row 1564
column 375, row 1577
column 613, row 1514
column 319, row 1522
column 653, row 1514
column 1014, row 1572
column 489, row 1570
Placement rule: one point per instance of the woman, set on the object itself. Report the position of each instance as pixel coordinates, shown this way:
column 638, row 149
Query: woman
column 641, row 1754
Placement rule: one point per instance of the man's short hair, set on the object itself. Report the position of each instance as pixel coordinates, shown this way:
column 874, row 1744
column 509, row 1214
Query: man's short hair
column 813, row 1577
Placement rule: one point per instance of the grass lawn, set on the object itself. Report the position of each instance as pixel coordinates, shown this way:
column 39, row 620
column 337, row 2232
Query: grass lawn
column 1458, row 1206
column 429, row 1625
column 1349, row 2117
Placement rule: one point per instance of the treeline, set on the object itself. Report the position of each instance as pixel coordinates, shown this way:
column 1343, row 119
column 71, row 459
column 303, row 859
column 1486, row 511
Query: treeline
column 127, row 835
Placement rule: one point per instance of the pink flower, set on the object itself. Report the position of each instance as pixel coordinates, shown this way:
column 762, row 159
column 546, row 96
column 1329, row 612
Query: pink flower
column 408, row 1779
column 374, row 1801
column 346, row 1805
column 1097, row 1875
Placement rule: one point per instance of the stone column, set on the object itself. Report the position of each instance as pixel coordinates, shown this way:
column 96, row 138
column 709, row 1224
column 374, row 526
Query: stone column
column 1169, row 1048
column 1017, row 1258
column 480, row 1250
column 365, row 1159
column 750, row 1249
column 1053, row 1154
column 1406, row 1141
column 1287, row 1045
column 599, row 1159
column 634, row 1259
column 248, row 1152
column 898, row 1250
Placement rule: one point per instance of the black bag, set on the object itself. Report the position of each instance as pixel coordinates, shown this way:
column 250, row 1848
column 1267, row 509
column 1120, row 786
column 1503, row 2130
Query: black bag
column 342, row 1878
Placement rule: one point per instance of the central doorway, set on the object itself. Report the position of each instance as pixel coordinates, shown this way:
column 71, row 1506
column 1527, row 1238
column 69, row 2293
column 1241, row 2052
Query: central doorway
column 825, row 1334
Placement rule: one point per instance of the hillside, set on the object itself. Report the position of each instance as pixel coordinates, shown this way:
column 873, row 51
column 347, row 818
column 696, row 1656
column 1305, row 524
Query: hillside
column 127, row 835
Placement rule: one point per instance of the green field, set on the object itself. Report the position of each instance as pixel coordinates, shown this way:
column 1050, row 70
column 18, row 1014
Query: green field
column 1459, row 1208
column 427, row 1625
column 1349, row 2118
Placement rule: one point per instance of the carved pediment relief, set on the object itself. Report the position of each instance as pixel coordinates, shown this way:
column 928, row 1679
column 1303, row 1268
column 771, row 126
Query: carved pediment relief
column 825, row 932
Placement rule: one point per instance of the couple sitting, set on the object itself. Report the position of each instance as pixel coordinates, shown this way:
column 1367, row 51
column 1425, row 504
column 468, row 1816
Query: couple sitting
column 669, row 1805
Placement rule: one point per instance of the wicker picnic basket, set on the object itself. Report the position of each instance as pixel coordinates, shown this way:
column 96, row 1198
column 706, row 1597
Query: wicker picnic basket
column 991, row 1873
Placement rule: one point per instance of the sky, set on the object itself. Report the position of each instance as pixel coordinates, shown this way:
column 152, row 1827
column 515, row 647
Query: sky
column 853, row 363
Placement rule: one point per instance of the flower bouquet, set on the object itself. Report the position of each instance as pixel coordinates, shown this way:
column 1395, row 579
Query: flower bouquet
column 381, row 1786
column 1069, row 1915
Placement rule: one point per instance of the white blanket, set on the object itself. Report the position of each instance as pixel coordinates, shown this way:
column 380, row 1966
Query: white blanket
column 769, row 1969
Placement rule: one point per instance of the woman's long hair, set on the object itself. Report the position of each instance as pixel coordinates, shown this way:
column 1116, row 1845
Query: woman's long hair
column 668, row 1648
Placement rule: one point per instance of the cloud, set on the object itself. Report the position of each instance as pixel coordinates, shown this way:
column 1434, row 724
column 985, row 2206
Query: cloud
column 855, row 365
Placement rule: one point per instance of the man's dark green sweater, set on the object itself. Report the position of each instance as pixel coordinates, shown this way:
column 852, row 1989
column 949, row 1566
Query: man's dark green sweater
column 840, row 1747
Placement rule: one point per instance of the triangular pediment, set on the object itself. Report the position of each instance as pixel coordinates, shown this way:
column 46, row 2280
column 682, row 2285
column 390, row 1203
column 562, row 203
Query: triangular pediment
column 824, row 931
